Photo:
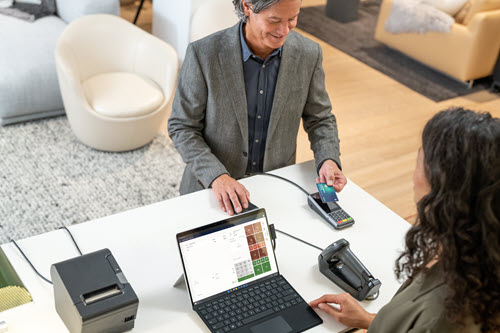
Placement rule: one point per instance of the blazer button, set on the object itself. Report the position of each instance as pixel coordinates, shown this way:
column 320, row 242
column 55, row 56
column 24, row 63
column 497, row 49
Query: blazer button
column 245, row 154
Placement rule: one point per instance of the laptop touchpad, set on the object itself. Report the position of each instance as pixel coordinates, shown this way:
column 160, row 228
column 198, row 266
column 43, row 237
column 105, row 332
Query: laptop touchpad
column 275, row 325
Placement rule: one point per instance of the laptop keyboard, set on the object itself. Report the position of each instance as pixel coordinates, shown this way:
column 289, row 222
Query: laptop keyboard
column 249, row 304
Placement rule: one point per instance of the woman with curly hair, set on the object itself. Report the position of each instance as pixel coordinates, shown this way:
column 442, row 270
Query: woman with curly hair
column 452, row 255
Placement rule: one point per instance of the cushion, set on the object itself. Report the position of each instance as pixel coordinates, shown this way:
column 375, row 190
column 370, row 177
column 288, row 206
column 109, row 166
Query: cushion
column 475, row 6
column 28, row 79
column 70, row 10
column 30, row 11
column 6, row 3
column 413, row 16
column 122, row 95
column 450, row 7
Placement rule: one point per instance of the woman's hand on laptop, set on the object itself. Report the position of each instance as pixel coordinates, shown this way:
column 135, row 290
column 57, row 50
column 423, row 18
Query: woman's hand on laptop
column 344, row 309
column 227, row 190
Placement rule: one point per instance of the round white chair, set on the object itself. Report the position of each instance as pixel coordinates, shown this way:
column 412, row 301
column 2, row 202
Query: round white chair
column 116, row 81
column 174, row 21
column 212, row 16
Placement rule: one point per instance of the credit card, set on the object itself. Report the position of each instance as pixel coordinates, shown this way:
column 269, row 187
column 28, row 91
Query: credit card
column 327, row 193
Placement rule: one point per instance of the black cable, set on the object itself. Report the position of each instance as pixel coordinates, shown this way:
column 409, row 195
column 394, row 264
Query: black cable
column 307, row 193
column 300, row 240
column 29, row 262
column 282, row 178
column 69, row 232
column 369, row 298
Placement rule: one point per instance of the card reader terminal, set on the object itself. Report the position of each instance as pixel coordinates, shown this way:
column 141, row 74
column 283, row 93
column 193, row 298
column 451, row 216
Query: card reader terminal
column 331, row 212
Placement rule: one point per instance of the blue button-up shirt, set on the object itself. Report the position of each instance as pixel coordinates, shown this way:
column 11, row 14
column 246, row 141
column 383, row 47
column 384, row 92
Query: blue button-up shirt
column 260, row 82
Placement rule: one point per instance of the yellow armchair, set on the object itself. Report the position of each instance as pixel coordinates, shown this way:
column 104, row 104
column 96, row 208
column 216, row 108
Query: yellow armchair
column 466, row 53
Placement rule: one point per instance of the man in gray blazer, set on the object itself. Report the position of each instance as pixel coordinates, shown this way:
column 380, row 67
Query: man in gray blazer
column 241, row 94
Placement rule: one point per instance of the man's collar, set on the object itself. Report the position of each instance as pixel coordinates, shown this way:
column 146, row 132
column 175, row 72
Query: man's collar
column 245, row 50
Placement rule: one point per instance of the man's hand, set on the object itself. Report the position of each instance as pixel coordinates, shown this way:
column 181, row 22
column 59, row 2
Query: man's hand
column 348, row 311
column 330, row 174
column 227, row 190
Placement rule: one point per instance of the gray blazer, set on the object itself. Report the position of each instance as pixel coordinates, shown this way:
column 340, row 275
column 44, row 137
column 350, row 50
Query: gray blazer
column 209, row 121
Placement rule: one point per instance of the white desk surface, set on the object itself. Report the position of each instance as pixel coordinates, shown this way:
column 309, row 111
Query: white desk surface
column 143, row 242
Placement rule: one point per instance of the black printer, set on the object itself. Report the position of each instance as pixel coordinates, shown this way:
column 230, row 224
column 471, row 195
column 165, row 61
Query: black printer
column 92, row 294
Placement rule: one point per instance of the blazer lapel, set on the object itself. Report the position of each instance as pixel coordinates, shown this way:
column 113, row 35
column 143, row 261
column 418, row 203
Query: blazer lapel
column 286, row 75
column 429, row 281
column 231, row 67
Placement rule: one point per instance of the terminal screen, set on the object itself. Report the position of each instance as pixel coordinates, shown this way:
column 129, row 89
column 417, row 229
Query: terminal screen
column 227, row 257
column 327, row 207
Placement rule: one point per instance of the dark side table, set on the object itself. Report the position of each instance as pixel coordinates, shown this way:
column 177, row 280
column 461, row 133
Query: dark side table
column 342, row 10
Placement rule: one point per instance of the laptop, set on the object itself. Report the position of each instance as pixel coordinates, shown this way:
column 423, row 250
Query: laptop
column 233, row 279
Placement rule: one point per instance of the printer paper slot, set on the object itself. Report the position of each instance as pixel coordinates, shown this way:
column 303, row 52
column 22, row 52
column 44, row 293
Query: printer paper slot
column 98, row 295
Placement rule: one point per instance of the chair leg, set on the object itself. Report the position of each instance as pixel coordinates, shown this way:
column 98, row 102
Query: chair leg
column 470, row 83
column 138, row 11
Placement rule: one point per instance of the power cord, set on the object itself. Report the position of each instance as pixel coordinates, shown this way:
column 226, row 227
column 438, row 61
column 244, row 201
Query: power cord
column 273, row 236
column 284, row 233
column 74, row 242
column 282, row 178
column 29, row 262
column 300, row 240
column 274, row 230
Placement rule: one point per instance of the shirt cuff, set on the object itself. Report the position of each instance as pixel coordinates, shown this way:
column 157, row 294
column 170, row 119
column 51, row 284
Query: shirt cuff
column 210, row 185
column 321, row 164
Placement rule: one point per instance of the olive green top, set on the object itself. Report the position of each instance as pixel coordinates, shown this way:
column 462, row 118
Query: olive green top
column 418, row 307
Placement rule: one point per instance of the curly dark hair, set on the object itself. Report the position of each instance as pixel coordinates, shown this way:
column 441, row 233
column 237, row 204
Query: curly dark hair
column 458, row 221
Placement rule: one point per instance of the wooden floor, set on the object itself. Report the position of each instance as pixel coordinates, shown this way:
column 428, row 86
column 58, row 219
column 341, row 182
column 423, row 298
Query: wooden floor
column 379, row 120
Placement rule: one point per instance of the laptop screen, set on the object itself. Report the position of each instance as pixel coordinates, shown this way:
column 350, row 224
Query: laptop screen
column 226, row 255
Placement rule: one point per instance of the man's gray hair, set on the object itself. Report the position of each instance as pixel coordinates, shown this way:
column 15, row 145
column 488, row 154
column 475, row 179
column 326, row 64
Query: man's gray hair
column 255, row 5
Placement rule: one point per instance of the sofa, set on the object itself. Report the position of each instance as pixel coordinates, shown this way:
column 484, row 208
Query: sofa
column 28, row 81
column 468, row 52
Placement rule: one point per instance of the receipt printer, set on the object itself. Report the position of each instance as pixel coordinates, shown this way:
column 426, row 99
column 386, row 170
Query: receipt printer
column 92, row 294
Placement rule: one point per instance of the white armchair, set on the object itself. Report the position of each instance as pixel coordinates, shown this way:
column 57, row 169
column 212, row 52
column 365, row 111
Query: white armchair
column 116, row 81
column 181, row 22
column 210, row 17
